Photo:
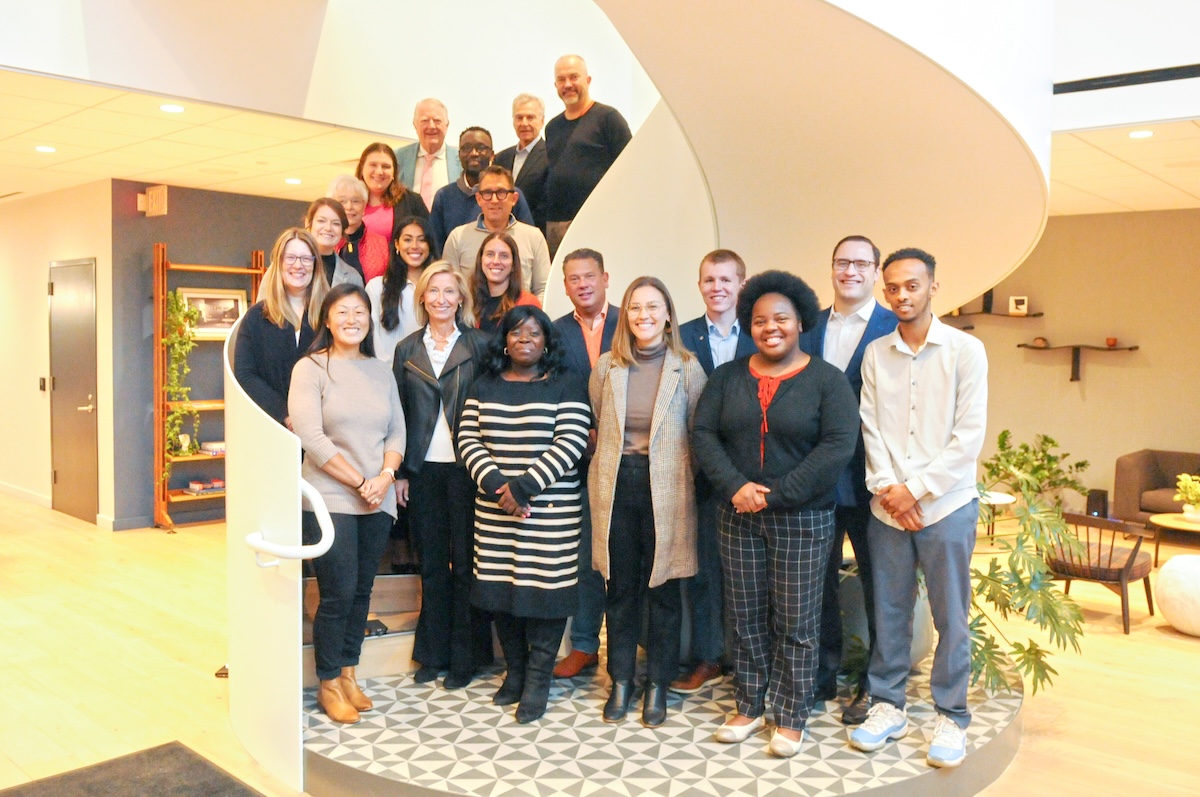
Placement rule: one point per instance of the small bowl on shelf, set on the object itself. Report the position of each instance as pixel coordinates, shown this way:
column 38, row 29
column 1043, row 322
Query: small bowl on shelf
column 1110, row 343
column 1040, row 343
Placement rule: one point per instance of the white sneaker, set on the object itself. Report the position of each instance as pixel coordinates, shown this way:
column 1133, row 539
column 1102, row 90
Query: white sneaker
column 949, row 745
column 884, row 723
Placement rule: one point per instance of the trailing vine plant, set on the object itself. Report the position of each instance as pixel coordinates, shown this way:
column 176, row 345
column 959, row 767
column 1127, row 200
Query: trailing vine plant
column 1018, row 581
column 179, row 340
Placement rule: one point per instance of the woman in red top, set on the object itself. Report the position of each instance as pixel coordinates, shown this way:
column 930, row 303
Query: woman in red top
column 361, row 248
column 496, row 283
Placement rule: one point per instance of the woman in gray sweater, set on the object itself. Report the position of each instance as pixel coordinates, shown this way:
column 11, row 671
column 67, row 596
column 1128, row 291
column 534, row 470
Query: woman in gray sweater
column 346, row 410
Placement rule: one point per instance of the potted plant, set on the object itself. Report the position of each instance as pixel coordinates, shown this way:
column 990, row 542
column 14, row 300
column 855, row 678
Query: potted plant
column 179, row 340
column 1018, row 582
column 1187, row 489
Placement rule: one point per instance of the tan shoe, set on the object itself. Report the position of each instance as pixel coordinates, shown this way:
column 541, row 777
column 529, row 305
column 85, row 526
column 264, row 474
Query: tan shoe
column 705, row 674
column 575, row 662
column 333, row 702
column 354, row 695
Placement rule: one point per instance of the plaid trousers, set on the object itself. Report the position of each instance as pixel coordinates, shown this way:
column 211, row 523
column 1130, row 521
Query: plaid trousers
column 774, row 565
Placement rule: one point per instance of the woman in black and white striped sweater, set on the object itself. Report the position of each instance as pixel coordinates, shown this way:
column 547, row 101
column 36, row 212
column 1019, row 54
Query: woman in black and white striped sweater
column 523, row 432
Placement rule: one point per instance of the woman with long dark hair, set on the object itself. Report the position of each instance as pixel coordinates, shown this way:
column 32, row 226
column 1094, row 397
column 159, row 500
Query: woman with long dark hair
column 345, row 408
column 773, row 432
column 642, row 492
column 496, row 281
column 388, row 201
column 393, row 309
column 524, row 430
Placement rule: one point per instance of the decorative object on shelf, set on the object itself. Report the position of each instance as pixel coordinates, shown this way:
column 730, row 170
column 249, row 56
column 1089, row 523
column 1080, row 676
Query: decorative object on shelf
column 178, row 340
column 1019, row 582
column 1040, row 343
column 1076, row 348
column 217, row 310
column 1018, row 305
column 1187, row 489
column 988, row 298
column 1110, row 343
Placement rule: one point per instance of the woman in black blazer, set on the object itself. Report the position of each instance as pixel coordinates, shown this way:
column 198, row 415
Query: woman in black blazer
column 276, row 331
column 434, row 368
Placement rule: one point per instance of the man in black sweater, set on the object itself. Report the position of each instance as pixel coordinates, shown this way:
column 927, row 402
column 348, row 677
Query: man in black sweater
column 581, row 143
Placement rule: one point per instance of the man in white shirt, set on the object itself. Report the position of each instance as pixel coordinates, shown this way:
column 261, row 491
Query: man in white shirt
column 924, row 414
column 840, row 338
column 428, row 164
column 527, row 160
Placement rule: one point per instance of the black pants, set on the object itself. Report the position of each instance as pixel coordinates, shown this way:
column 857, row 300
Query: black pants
column 851, row 521
column 441, row 516
column 345, row 576
column 630, row 560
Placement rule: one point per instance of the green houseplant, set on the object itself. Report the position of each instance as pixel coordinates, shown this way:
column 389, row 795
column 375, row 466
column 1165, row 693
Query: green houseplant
column 1017, row 581
column 1187, row 489
column 179, row 340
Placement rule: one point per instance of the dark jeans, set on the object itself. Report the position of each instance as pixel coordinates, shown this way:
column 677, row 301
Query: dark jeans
column 630, row 559
column 851, row 521
column 441, row 513
column 704, row 589
column 345, row 576
column 585, row 625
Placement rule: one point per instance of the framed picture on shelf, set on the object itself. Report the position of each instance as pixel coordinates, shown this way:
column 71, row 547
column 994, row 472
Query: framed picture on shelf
column 1018, row 305
column 219, row 309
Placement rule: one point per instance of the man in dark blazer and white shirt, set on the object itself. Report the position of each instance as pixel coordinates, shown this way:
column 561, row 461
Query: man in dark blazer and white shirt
column 585, row 334
column 840, row 338
column 527, row 160
column 715, row 338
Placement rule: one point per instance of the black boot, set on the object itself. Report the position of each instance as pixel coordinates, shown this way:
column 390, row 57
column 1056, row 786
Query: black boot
column 511, row 631
column 618, row 701
column 544, row 637
column 654, row 705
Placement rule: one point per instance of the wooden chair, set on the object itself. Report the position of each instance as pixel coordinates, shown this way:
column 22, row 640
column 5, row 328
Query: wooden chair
column 1102, row 559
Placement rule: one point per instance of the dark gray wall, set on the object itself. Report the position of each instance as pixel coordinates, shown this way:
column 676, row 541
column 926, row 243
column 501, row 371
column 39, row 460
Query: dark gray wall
column 207, row 227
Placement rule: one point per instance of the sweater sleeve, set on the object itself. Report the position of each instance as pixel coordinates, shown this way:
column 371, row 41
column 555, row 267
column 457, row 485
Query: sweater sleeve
column 540, row 275
column 572, row 420
column 248, row 368
column 471, row 449
column 397, row 433
column 304, row 406
column 706, row 436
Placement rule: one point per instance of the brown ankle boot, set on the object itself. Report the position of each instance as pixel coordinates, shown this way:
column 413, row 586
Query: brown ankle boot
column 332, row 700
column 354, row 695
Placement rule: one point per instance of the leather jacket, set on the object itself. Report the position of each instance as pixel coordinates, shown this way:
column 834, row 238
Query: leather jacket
column 421, row 394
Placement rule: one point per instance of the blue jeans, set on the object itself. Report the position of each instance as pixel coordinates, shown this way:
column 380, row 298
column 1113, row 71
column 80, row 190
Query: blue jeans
column 585, row 625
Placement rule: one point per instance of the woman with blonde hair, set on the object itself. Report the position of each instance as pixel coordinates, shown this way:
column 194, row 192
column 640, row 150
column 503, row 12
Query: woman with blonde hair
column 434, row 368
column 642, row 490
column 497, row 279
column 277, row 330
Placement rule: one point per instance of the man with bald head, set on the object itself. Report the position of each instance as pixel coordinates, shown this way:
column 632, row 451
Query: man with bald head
column 582, row 142
column 428, row 164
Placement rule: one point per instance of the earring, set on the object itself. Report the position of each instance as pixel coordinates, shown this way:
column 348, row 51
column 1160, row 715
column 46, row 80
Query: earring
column 505, row 351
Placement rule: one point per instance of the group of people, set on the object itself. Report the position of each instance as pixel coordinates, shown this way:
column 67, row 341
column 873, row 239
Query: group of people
column 615, row 464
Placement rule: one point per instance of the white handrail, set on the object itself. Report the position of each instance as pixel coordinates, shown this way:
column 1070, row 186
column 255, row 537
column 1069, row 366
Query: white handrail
column 260, row 546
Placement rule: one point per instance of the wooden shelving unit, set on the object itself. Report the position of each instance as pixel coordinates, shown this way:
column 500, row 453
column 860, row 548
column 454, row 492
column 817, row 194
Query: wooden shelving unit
column 1076, row 349
column 164, row 496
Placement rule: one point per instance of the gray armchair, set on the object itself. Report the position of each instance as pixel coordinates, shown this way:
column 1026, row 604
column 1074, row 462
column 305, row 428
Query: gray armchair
column 1145, row 483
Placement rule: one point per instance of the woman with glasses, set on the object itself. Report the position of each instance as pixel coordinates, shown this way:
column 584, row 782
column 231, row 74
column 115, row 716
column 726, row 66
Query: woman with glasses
column 346, row 410
column 388, row 201
column 773, row 432
column 361, row 248
column 496, row 282
column 641, row 486
column 325, row 222
column 279, row 328
column 393, row 310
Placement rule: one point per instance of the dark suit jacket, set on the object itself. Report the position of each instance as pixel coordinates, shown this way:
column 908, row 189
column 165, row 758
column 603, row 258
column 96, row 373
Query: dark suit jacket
column 263, row 358
column 574, row 346
column 694, row 335
column 531, row 182
column 852, row 486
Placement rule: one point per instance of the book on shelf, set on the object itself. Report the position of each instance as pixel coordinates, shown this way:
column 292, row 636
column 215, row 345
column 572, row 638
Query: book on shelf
column 213, row 447
column 198, row 487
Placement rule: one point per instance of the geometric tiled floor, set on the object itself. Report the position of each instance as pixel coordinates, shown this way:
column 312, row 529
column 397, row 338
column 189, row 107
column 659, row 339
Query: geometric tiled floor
column 458, row 742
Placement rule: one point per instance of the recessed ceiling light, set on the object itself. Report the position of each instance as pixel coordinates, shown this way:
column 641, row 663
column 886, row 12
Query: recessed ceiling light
column 292, row 181
column 171, row 108
column 44, row 148
column 1141, row 134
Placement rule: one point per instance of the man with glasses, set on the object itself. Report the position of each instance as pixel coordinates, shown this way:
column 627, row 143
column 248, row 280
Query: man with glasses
column 454, row 205
column 840, row 338
column 496, row 197
column 428, row 164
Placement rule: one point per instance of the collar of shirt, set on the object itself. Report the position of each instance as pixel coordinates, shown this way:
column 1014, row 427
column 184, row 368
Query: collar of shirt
column 431, row 344
column 863, row 312
column 599, row 320
column 480, row 225
column 529, row 148
column 715, row 331
column 461, row 182
column 437, row 156
column 935, row 336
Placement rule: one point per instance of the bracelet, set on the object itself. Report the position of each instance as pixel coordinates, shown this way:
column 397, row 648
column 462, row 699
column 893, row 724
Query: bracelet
column 361, row 483
column 391, row 473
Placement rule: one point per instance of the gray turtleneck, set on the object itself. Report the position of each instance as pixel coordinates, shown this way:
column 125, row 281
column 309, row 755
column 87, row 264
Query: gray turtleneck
column 644, row 373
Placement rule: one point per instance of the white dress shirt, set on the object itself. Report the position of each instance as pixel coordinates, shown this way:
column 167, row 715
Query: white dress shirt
column 441, row 445
column 843, row 332
column 522, row 155
column 924, row 417
column 441, row 177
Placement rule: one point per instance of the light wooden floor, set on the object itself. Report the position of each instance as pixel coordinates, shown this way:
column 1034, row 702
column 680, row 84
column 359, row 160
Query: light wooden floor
column 110, row 642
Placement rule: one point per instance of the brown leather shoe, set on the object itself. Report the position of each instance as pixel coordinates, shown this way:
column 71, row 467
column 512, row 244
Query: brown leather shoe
column 354, row 695
column 333, row 702
column 576, row 662
column 705, row 674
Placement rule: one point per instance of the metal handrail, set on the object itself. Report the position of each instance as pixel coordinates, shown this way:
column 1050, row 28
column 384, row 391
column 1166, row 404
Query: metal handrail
column 260, row 546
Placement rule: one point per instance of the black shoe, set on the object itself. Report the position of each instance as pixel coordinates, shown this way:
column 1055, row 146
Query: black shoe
column 654, row 705
column 824, row 693
column 457, row 680
column 510, row 691
column 533, row 706
column 426, row 674
column 618, row 701
column 856, row 712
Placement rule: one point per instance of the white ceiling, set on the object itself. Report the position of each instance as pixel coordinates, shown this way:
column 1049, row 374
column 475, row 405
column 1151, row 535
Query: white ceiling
column 101, row 132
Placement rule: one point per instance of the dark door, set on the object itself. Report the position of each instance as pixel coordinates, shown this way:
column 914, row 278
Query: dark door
column 73, row 410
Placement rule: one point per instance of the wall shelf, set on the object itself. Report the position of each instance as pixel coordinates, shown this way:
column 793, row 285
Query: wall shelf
column 994, row 315
column 1076, row 350
column 181, row 496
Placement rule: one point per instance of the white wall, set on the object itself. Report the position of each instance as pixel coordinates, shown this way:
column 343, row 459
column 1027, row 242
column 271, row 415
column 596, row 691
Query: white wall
column 65, row 225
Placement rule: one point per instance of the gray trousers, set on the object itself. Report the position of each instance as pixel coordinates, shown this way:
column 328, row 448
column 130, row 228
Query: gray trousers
column 943, row 551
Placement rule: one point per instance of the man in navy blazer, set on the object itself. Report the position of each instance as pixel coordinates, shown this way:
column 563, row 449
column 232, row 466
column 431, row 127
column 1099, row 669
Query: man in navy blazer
column 431, row 121
column 841, row 337
column 585, row 334
column 527, row 160
column 715, row 338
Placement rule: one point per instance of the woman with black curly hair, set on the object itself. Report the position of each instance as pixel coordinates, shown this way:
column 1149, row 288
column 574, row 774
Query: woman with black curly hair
column 773, row 432
column 524, row 430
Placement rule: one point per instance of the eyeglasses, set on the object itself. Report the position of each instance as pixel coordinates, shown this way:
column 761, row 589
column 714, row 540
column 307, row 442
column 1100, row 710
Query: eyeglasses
column 497, row 193
column 304, row 260
column 841, row 265
column 469, row 148
column 653, row 308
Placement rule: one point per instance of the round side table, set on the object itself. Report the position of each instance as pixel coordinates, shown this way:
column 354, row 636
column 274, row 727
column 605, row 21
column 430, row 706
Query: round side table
column 995, row 500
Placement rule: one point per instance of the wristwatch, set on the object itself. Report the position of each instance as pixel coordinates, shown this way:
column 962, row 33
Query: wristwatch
column 391, row 472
